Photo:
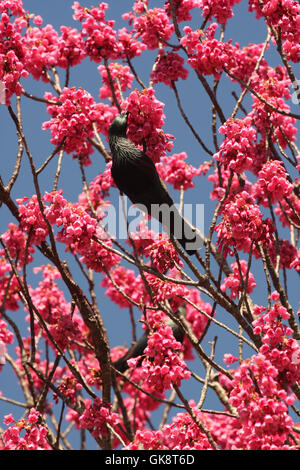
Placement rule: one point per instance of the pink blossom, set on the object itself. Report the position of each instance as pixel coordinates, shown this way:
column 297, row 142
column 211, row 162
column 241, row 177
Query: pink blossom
column 168, row 68
column 207, row 55
column 9, row 286
column 97, row 192
column 13, row 7
column 296, row 262
column 271, row 122
column 234, row 282
column 261, row 404
column 151, row 27
column 237, row 149
column 121, row 77
column 283, row 16
column 17, row 244
column 278, row 348
column 42, row 50
column 182, row 9
column 95, row 417
column 162, row 365
column 163, row 290
column 71, row 50
column 32, row 221
column 50, row 302
column 181, row 434
column 273, row 182
column 221, row 10
column 131, row 47
column 12, row 50
column 145, row 121
column 98, row 33
column 34, row 437
column 174, row 170
column 127, row 282
column 242, row 223
column 71, row 120
column 162, row 253
column 289, row 210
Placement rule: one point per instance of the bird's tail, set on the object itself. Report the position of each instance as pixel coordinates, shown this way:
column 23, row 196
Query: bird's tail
column 179, row 228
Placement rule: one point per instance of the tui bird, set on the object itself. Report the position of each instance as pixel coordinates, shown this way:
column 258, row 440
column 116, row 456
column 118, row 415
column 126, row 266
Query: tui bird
column 138, row 349
column 135, row 175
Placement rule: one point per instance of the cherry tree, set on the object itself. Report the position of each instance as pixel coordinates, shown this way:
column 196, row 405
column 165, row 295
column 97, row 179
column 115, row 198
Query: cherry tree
column 53, row 317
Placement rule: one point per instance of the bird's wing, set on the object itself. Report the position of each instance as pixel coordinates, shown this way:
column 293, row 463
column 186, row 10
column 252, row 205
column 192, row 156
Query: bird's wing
column 135, row 174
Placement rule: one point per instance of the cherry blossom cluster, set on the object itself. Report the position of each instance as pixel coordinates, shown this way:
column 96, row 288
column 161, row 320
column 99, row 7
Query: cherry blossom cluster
column 120, row 76
column 287, row 252
column 284, row 17
column 71, row 47
column 221, row 10
column 77, row 231
column 220, row 180
column 162, row 366
column 71, row 121
column 182, row 9
column 98, row 191
column 25, row 434
column 277, row 125
column 244, row 63
column 131, row 47
column 102, row 115
column 51, row 304
column 32, row 221
column 237, row 149
column 272, row 182
column 77, row 228
column 124, row 281
column 168, row 68
column 96, row 416
column 41, row 50
column 259, row 388
column 12, row 51
column 17, row 244
column 6, row 337
column 152, row 26
column 9, row 286
column 12, row 7
column 240, row 280
column 278, row 347
column 162, row 253
column 288, row 210
column 166, row 290
column 262, row 406
column 145, row 121
column 45, row 48
column 183, row 433
column 174, row 170
column 207, row 55
column 69, row 387
column 99, row 34
column 242, row 223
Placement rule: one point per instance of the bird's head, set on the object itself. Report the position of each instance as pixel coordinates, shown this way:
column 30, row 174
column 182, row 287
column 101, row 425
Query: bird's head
column 119, row 125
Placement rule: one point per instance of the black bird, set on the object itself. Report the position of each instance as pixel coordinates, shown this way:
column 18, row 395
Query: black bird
column 138, row 348
column 135, row 175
